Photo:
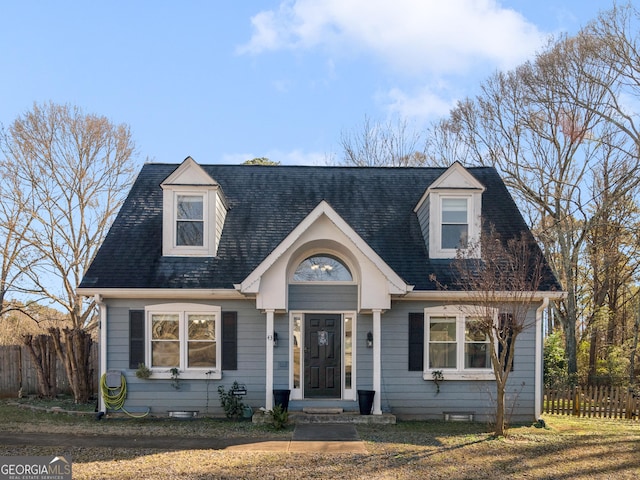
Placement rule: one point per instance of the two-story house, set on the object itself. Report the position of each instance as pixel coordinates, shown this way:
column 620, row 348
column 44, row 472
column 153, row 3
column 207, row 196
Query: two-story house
column 317, row 280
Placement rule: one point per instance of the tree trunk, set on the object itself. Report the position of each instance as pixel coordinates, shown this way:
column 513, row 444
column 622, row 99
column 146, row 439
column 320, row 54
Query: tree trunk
column 500, row 409
column 75, row 353
column 593, row 354
column 42, row 351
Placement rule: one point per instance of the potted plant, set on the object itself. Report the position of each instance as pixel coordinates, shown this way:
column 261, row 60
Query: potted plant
column 175, row 381
column 143, row 371
column 438, row 377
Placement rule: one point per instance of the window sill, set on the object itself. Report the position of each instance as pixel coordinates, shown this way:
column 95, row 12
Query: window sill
column 187, row 375
column 481, row 375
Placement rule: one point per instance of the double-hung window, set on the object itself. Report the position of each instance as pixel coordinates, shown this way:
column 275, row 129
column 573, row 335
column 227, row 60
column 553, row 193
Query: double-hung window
column 455, row 223
column 190, row 220
column 184, row 336
column 456, row 343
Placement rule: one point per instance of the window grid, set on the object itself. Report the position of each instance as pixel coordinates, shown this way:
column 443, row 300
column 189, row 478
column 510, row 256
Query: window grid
column 456, row 343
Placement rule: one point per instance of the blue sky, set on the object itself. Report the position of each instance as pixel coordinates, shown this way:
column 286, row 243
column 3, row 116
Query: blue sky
column 225, row 81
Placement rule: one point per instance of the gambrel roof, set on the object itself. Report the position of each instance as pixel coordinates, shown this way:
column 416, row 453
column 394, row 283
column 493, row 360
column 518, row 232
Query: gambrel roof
column 265, row 203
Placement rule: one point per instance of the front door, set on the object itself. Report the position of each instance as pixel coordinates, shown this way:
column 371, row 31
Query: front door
column 322, row 356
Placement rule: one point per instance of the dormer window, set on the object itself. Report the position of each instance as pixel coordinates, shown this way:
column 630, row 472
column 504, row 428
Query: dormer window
column 455, row 223
column 194, row 211
column 450, row 213
column 190, row 220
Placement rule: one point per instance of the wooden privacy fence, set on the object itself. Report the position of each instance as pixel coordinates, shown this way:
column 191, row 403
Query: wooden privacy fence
column 18, row 372
column 593, row 401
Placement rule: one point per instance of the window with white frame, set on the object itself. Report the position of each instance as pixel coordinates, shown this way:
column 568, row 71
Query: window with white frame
column 190, row 226
column 455, row 223
column 184, row 336
column 455, row 342
column 189, row 220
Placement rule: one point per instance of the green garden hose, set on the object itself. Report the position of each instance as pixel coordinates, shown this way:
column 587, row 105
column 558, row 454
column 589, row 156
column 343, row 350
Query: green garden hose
column 114, row 397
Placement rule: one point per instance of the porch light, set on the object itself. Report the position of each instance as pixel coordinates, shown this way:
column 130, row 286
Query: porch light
column 275, row 339
column 369, row 340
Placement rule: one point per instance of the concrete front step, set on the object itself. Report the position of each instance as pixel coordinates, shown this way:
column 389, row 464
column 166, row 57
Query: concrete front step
column 348, row 417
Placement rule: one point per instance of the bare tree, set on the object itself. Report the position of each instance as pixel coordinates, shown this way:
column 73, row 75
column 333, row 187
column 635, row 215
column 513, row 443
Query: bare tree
column 77, row 168
column 550, row 151
column 15, row 221
column 383, row 145
column 502, row 283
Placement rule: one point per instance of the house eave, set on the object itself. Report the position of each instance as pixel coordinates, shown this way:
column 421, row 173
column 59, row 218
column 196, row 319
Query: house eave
column 447, row 295
column 164, row 293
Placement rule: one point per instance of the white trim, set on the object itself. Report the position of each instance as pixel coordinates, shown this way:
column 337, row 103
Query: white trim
column 169, row 221
column 163, row 293
column 345, row 394
column 461, row 313
column 377, row 362
column 102, row 368
column 474, row 212
column 450, row 295
column 396, row 285
column 269, row 359
column 189, row 178
column 183, row 310
column 538, row 383
column 456, row 177
column 317, row 252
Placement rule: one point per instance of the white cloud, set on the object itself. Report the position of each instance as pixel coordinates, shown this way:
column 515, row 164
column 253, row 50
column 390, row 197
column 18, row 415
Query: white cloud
column 410, row 35
column 427, row 103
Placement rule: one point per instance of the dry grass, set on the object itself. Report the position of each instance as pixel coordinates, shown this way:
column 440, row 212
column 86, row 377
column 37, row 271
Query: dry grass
column 568, row 449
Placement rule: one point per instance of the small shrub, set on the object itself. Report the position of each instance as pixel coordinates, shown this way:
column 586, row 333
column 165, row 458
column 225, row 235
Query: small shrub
column 143, row 371
column 175, row 381
column 279, row 417
column 438, row 377
column 231, row 403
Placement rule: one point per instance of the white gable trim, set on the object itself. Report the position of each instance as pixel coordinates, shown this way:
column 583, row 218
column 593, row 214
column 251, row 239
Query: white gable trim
column 395, row 284
column 456, row 177
column 189, row 173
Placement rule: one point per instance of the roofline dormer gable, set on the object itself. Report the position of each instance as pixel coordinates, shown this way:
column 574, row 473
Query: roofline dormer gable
column 194, row 211
column 456, row 177
column 189, row 173
column 450, row 211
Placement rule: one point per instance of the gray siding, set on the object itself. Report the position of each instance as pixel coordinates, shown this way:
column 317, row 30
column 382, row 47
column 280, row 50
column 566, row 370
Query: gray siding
column 404, row 393
column 407, row 394
column 424, row 219
column 323, row 297
column 193, row 394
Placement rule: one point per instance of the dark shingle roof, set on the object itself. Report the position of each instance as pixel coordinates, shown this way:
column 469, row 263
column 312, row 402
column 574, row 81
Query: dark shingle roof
column 266, row 203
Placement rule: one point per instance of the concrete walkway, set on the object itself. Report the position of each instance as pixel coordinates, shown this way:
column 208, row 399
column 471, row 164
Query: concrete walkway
column 306, row 438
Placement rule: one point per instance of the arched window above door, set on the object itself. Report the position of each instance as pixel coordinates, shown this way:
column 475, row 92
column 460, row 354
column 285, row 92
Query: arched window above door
column 322, row 268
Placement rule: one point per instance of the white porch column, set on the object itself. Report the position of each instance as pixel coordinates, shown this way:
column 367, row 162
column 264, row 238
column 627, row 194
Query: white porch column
column 102, row 367
column 539, row 381
column 377, row 365
column 268, row 401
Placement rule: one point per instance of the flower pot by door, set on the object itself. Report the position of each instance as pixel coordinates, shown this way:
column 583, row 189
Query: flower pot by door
column 365, row 401
column 281, row 397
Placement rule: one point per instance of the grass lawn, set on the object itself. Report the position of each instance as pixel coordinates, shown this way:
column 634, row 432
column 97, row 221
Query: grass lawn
column 569, row 448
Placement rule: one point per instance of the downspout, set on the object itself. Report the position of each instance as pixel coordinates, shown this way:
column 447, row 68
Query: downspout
column 539, row 387
column 102, row 325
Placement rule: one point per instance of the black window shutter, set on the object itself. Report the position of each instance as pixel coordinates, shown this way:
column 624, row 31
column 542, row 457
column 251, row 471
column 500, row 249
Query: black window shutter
column 506, row 320
column 136, row 338
column 229, row 340
column 416, row 342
